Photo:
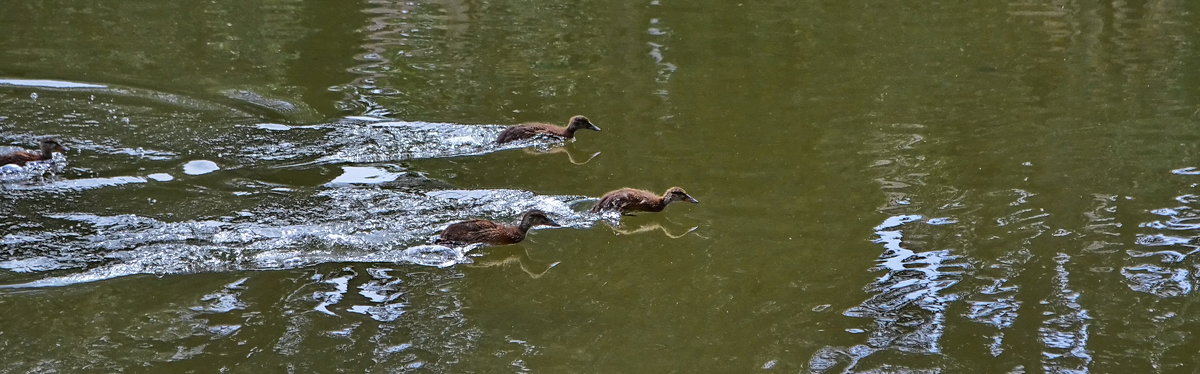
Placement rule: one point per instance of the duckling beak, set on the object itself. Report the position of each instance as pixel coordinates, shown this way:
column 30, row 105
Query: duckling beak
column 593, row 127
column 60, row 148
column 693, row 200
column 552, row 223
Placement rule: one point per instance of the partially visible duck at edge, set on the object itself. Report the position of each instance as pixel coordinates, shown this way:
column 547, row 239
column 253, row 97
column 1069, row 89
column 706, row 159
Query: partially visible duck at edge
column 627, row 200
column 529, row 130
column 488, row 232
column 19, row 158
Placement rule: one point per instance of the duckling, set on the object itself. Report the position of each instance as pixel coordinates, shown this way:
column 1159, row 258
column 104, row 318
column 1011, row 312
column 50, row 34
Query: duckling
column 529, row 130
column 627, row 200
column 19, row 158
column 484, row 231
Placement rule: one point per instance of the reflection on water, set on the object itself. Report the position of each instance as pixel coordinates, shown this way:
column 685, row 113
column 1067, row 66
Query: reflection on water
column 909, row 302
column 410, row 319
column 908, row 305
column 998, row 303
column 1064, row 332
column 659, row 33
column 969, row 260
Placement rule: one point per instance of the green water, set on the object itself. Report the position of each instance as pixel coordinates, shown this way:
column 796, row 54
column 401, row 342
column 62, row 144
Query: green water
column 925, row 187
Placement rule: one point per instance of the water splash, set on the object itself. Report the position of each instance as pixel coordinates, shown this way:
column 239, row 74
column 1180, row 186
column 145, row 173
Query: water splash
column 12, row 173
column 367, row 140
column 348, row 225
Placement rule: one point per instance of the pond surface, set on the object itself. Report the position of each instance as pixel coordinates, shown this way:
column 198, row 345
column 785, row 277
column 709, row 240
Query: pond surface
column 930, row 187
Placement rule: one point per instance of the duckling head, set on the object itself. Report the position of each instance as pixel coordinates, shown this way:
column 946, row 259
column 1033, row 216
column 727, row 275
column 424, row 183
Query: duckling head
column 581, row 122
column 674, row 194
column 49, row 145
column 535, row 218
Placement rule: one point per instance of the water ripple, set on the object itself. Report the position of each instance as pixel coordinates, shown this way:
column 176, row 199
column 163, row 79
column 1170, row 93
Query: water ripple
column 1173, row 241
column 1158, row 280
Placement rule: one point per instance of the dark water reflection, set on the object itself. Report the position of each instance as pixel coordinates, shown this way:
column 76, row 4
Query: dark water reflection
column 1004, row 187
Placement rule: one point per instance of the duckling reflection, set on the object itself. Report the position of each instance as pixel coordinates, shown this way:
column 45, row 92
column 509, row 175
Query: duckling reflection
column 529, row 130
column 20, row 158
column 520, row 258
column 570, row 157
column 484, row 231
column 619, row 229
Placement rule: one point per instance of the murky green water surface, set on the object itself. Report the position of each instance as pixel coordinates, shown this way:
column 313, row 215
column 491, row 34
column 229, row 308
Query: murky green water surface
column 932, row 187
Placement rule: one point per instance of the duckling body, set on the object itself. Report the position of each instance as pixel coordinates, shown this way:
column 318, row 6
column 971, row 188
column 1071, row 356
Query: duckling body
column 20, row 158
column 488, row 232
column 529, row 130
column 627, row 200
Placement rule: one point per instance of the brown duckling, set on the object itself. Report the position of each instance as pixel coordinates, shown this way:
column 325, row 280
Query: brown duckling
column 529, row 130
column 627, row 200
column 48, row 146
column 484, row 231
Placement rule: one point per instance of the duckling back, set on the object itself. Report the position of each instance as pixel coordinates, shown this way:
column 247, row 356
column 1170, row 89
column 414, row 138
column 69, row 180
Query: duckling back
column 479, row 231
column 629, row 200
column 529, row 130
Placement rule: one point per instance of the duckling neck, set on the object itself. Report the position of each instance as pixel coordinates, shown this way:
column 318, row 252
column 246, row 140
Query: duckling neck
column 661, row 204
column 569, row 132
column 47, row 153
column 525, row 225
column 664, row 200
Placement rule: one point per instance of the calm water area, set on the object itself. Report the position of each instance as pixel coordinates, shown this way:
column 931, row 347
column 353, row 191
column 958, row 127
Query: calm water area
column 912, row 187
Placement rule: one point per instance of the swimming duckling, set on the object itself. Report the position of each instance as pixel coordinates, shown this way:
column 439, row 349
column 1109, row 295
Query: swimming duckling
column 484, row 231
column 627, row 200
column 19, row 158
column 529, row 130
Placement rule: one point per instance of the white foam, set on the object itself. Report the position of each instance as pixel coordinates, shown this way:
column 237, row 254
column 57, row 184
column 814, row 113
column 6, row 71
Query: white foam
column 47, row 83
column 363, row 175
column 161, row 177
column 198, row 167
